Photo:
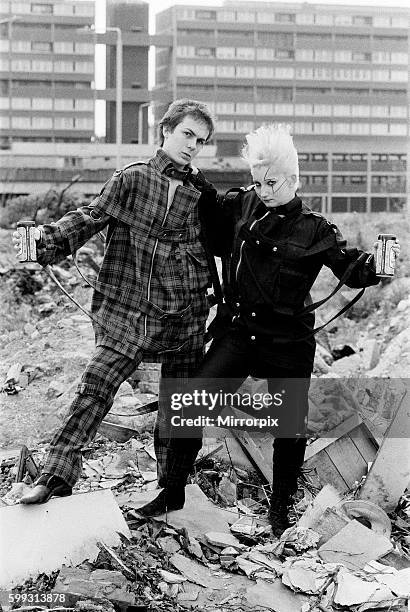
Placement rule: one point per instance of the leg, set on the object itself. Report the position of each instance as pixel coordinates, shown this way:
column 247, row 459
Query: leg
column 176, row 455
column 103, row 375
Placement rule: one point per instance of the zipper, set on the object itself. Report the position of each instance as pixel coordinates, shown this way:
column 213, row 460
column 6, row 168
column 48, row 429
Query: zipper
column 243, row 242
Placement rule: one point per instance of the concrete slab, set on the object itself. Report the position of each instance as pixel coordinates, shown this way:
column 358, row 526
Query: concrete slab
column 274, row 596
column 198, row 516
column 41, row 538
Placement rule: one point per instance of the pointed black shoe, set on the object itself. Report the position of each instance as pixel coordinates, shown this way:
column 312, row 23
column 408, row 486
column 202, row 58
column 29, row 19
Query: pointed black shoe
column 280, row 502
column 166, row 501
column 47, row 486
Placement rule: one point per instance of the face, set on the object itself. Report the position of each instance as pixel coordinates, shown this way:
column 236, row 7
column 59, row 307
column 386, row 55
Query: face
column 185, row 142
column 272, row 187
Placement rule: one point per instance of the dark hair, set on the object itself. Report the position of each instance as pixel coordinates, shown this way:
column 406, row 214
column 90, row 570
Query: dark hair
column 178, row 110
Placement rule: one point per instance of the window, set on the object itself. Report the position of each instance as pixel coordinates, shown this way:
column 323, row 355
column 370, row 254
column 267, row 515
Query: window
column 362, row 75
column 246, row 53
column 398, row 112
column 20, row 65
column 399, row 22
column 323, row 55
column 21, row 46
column 343, row 56
column 324, row 20
column 361, row 20
column 381, row 57
column 186, row 14
column 398, row 129
column 205, row 15
column 381, row 22
column 83, row 9
column 4, row 103
column 244, row 108
column 284, row 109
column 341, row 110
column 84, row 123
column 245, row 16
column 205, row 52
column 322, row 74
column 245, row 72
column 41, row 47
column 265, row 109
column 360, row 110
column 184, row 51
column 21, row 103
column 322, row 110
column 225, row 108
column 63, row 9
column 322, row 127
column 284, row 73
column 4, row 64
column 225, row 71
column 378, row 129
column 63, row 66
column 399, row 58
column 279, row 40
column 206, row 70
column 244, row 126
column 343, row 74
column 303, row 109
column 225, row 52
column 284, row 54
column 398, row 75
column 285, row 17
column 63, row 47
column 304, row 55
column 380, row 111
column 4, row 45
column 343, row 20
column 225, row 126
column 263, row 17
column 21, row 123
column 42, row 103
column 62, row 104
column 18, row 7
column 226, row 16
column 42, row 123
column 43, row 9
column 381, row 75
column 4, row 122
column 304, row 73
column 303, row 127
column 359, row 56
column 63, row 123
column 360, row 128
column 265, row 54
column 84, row 48
column 84, row 66
column 305, row 18
column 84, row 105
column 264, row 72
column 341, row 128
column 185, row 70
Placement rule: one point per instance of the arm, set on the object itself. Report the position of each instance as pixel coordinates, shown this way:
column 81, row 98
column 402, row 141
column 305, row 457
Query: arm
column 66, row 236
column 337, row 257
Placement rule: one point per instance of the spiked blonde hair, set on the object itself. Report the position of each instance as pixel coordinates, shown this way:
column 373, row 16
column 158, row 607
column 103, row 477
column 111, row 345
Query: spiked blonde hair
column 272, row 145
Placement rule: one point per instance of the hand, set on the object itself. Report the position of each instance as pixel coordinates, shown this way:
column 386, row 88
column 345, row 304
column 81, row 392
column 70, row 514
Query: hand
column 396, row 247
column 199, row 181
column 16, row 239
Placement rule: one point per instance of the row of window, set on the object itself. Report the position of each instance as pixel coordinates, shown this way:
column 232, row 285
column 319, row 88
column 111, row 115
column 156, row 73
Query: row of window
column 79, row 9
column 302, row 18
column 323, row 127
column 316, row 55
column 393, row 158
column 58, row 104
column 319, row 110
column 287, row 72
column 26, row 65
column 46, row 123
column 36, row 46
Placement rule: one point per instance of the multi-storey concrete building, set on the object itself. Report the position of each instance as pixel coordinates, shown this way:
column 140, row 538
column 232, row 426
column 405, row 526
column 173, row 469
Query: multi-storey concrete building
column 338, row 74
column 46, row 71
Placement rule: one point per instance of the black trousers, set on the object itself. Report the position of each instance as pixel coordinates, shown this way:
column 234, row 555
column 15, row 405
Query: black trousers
column 229, row 361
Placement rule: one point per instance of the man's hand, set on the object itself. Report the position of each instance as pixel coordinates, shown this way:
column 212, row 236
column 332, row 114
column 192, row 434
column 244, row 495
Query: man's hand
column 199, row 181
column 16, row 239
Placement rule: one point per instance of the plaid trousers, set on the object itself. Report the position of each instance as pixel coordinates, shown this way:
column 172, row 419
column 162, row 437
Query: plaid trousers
column 105, row 372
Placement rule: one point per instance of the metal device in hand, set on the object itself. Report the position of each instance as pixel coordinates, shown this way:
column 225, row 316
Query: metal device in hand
column 385, row 256
column 27, row 253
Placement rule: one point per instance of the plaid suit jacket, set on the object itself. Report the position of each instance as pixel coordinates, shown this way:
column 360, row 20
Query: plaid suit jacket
column 150, row 294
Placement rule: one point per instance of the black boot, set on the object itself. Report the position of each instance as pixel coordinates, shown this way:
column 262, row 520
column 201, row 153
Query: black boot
column 281, row 500
column 168, row 500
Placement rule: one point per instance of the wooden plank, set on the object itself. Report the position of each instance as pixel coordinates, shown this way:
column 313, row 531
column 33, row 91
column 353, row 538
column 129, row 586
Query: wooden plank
column 327, row 472
column 347, row 459
column 389, row 475
column 258, row 450
column 365, row 443
column 331, row 436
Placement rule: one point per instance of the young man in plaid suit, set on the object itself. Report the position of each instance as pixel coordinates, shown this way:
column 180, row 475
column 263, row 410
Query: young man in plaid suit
column 149, row 301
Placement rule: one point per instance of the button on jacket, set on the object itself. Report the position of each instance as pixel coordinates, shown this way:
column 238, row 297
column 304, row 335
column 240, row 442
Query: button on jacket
column 150, row 293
